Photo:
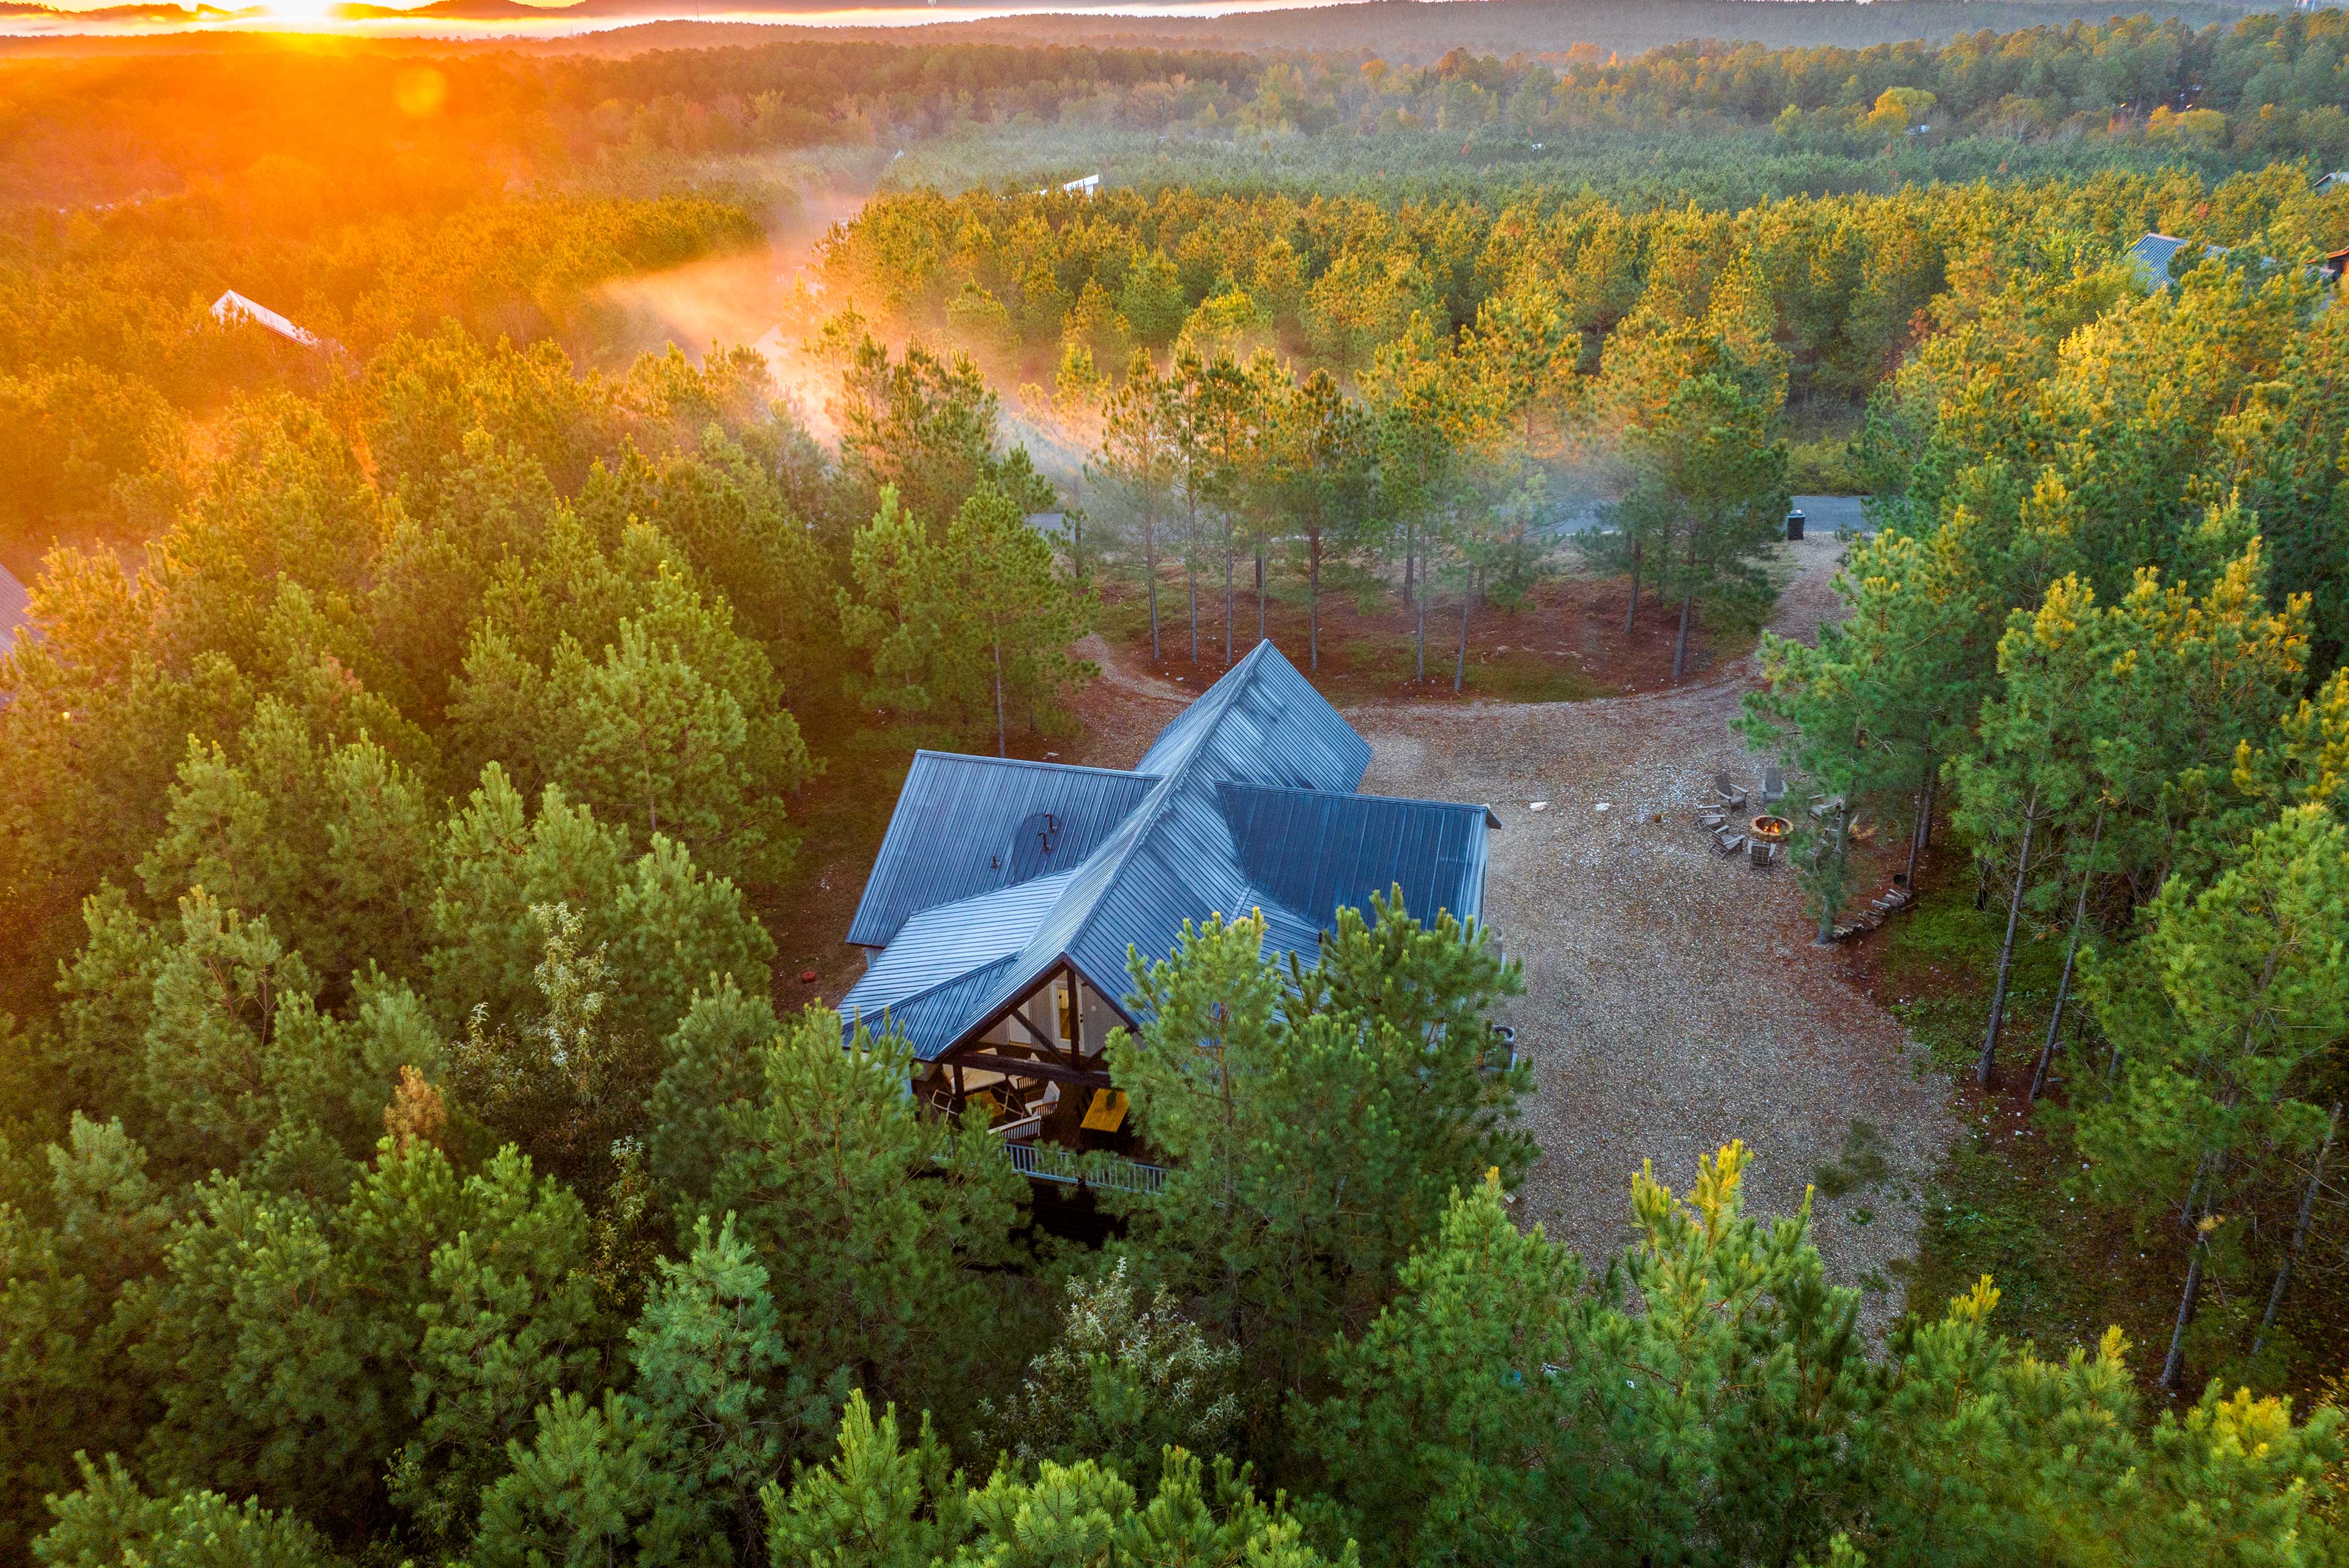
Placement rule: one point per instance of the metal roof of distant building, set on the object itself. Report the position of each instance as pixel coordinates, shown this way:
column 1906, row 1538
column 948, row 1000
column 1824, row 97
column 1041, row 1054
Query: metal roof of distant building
column 232, row 307
column 2152, row 257
column 951, row 837
column 15, row 610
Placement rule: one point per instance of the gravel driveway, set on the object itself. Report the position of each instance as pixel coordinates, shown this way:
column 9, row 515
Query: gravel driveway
column 1673, row 999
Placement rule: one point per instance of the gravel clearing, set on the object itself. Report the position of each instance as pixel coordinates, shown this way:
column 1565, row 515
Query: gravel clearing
column 1673, row 1000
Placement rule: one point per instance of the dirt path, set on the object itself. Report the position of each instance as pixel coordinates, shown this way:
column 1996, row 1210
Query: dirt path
column 1673, row 1000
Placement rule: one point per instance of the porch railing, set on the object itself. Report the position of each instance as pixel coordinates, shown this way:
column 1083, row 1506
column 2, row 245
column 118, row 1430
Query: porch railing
column 1048, row 1162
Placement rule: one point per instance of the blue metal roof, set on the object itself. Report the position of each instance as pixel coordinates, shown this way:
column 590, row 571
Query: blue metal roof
column 1320, row 854
column 1179, row 854
column 2151, row 256
column 15, row 610
column 939, row 945
column 936, row 1019
column 952, row 835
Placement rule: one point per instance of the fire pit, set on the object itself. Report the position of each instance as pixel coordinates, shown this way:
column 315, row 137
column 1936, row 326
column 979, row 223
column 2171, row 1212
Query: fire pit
column 1770, row 829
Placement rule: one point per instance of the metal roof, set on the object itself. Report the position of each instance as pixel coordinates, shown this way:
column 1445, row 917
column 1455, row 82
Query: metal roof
column 15, row 610
column 232, row 307
column 1320, row 854
column 2152, row 257
column 1178, row 854
column 952, row 835
column 938, row 944
column 935, row 1020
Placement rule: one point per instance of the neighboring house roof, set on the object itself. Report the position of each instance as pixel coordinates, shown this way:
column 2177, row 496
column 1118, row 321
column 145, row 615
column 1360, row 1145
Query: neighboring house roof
column 2336, row 180
column 16, row 611
column 232, row 307
column 2151, row 256
column 1244, row 801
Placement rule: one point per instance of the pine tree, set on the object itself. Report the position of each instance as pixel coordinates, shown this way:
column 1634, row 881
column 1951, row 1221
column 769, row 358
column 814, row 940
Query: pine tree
column 509, row 1319
column 111, row 1521
column 1313, row 1130
column 67, row 1384
column 711, row 1368
column 1017, row 607
column 1447, row 1436
column 2220, row 1014
column 715, row 1059
column 879, row 1224
column 595, row 1485
column 1137, row 458
column 875, row 1504
column 1710, row 466
column 977, row 619
column 1319, row 476
column 328, row 842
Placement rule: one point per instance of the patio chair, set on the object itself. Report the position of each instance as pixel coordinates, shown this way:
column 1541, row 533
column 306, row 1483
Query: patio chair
column 1764, row 855
column 1773, row 786
column 1710, row 821
column 1730, row 792
column 1730, row 840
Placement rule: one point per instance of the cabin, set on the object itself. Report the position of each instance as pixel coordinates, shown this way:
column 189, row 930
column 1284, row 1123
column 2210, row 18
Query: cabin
column 1007, row 894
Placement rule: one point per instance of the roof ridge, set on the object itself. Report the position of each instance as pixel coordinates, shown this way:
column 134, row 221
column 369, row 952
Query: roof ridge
column 922, row 751
column 1134, row 832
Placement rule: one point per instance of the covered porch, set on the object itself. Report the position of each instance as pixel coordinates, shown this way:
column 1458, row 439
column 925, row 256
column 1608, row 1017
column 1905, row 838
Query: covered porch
column 1036, row 1069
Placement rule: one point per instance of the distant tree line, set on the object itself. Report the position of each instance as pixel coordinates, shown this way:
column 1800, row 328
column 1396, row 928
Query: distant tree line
column 73, row 132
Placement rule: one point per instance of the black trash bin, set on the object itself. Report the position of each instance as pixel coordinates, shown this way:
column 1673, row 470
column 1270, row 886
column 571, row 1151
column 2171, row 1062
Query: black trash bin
column 1794, row 520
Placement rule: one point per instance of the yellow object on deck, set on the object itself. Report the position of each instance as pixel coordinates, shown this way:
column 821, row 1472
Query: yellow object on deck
column 1107, row 1112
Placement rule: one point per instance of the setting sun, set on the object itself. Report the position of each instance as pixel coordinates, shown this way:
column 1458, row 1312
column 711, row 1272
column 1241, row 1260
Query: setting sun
column 304, row 13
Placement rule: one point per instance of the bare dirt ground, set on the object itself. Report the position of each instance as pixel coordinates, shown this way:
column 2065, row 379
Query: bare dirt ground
column 1673, row 999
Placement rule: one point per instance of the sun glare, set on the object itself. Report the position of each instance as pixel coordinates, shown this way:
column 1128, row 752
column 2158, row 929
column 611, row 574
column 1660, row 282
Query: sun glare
column 305, row 13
